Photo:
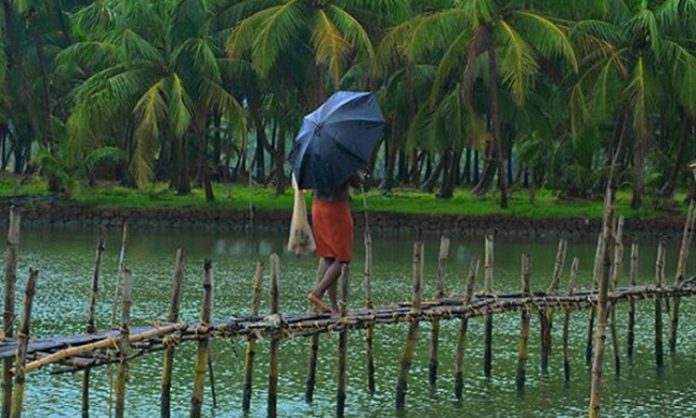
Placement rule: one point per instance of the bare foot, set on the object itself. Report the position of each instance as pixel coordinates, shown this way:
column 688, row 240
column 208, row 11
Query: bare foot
column 318, row 303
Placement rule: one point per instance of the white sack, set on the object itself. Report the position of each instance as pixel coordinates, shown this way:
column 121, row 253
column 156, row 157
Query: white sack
column 301, row 240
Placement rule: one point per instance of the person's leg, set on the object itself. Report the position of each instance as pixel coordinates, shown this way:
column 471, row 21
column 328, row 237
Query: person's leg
column 327, row 282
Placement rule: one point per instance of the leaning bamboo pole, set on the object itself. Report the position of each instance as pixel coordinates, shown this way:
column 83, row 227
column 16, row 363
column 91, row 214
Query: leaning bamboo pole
column 91, row 322
column 272, row 409
column 343, row 343
column 461, row 338
column 123, row 345
column 114, row 302
column 8, row 316
column 566, row 319
column 435, row 323
column 596, row 271
column 681, row 269
column 411, row 339
column 633, row 274
column 314, row 345
column 615, row 277
column 659, row 282
column 23, row 337
column 370, row 332
column 257, row 288
column 546, row 316
column 173, row 317
column 202, row 352
column 520, row 378
column 488, row 319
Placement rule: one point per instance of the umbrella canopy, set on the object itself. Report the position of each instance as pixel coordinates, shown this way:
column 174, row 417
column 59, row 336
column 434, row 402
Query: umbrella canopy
column 336, row 140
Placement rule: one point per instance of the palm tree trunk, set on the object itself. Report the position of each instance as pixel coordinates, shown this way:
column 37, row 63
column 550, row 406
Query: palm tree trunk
column 496, row 124
column 638, row 171
column 390, row 158
column 182, row 181
column 485, row 179
column 667, row 191
column 280, row 161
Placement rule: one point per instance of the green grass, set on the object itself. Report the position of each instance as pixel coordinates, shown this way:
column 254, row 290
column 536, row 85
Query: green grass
column 237, row 197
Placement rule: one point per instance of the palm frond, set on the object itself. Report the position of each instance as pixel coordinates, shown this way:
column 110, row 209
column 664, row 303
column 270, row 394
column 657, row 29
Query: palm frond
column 434, row 30
column 683, row 73
column 275, row 33
column 639, row 97
column 331, row 50
column 451, row 61
column 353, row 32
column 149, row 113
column 518, row 66
column 548, row 38
column 178, row 112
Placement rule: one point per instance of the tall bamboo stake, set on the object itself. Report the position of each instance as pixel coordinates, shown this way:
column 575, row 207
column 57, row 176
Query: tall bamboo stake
column 630, row 337
column 435, row 324
column 23, row 344
column 202, row 352
column 123, row 345
column 679, row 276
column 275, row 340
column 659, row 281
column 369, row 335
column 461, row 338
column 314, row 345
column 91, row 322
column 488, row 319
column 593, row 311
column 616, row 274
column 8, row 316
column 546, row 316
column 566, row 319
column 406, row 360
column 250, row 353
column 173, row 317
column 114, row 302
column 343, row 344
column 524, row 327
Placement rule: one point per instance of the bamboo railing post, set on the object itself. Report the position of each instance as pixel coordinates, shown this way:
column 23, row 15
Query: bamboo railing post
column 202, row 352
column 168, row 361
column 370, row 333
column 91, row 322
column 488, row 318
column 546, row 315
column 314, row 345
column 435, row 324
column 596, row 271
column 630, row 337
column 461, row 338
column 659, row 281
column 343, row 343
column 616, row 275
column 8, row 316
column 114, row 302
column 524, row 326
column 566, row 319
column 411, row 339
column 250, row 353
column 679, row 276
column 23, row 345
column 123, row 344
column 275, row 340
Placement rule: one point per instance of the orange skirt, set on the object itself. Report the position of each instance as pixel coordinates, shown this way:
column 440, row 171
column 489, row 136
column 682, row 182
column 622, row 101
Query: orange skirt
column 332, row 223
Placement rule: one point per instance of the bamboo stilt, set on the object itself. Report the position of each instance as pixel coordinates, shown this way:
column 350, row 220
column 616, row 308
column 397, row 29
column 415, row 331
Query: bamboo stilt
column 123, row 345
column 91, row 322
column 596, row 271
column 659, row 282
column 275, row 340
column 524, row 327
column 546, row 316
column 23, row 338
column 314, row 346
column 435, row 324
column 630, row 337
column 370, row 332
column 250, row 353
column 679, row 276
column 202, row 351
column 616, row 275
column 343, row 344
column 488, row 319
column 566, row 319
column 168, row 361
column 114, row 302
column 8, row 316
column 461, row 338
column 411, row 339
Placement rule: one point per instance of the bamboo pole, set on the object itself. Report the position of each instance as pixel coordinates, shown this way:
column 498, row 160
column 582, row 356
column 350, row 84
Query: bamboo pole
column 343, row 344
column 275, row 340
column 435, row 324
column 630, row 337
column 488, row 319
column 370, row 332
column 679, row 276
column 91, row 322
column 257, row 287
column 8, row 316
column 566, row 320
column 524, row 327
column 659, row 282
column 461, row 338
column 114, row 302
column 173, row 317
column 593, row 311
column 123, row 345
column 314, row 346
column 202, row 351
column 411, row 339
column 23, row 340
column 546, row 316
column 616, row 275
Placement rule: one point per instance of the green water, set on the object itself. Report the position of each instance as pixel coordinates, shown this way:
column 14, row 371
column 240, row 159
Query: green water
column 65, row 260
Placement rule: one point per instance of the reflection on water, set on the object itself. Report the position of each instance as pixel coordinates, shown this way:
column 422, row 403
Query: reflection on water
column 65, row 260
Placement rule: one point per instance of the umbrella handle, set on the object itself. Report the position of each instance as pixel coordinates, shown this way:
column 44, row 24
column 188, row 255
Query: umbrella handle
column 364, row 199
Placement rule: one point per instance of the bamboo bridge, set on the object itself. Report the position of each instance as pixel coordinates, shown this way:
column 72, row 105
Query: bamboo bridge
column 22, row 354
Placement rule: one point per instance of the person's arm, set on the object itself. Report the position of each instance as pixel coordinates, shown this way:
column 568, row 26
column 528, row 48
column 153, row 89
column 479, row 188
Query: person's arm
column 357, row 180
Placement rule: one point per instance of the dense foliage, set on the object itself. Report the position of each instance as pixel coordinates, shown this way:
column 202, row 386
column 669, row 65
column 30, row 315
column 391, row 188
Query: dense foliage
column 487, row 94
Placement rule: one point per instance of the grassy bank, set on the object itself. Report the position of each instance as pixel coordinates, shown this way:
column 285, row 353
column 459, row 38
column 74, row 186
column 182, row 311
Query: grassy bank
column 238, row 197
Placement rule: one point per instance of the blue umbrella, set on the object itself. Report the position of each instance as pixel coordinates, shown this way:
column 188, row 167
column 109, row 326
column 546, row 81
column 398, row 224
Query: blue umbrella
column 336, row 140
